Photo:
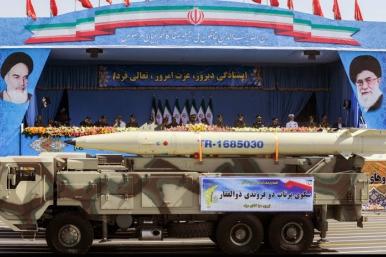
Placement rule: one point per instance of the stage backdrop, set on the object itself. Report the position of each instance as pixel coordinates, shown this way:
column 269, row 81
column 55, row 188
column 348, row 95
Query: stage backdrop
column 20, row 70
column 366, row 73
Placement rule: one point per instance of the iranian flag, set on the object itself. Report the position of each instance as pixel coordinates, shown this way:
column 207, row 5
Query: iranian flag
column 54, row 8
column 158, row 115
column 176, row 111
column 317, row 9
column 290, row 4
column 358, row 13
column 184, row 113
column 336, row 11
column 30, row 10
column 274, row 3
column 86, row 3
column 153, row 108
column 167, row 112
column 209, row 112
column 201, row 111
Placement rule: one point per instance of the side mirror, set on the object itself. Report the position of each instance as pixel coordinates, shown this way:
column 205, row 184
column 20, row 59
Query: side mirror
column 11, row 176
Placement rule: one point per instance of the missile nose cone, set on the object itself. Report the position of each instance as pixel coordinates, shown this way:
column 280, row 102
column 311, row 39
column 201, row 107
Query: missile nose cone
column 70, row 142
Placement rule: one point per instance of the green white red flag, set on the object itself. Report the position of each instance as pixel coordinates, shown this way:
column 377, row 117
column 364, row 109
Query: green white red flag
column 53, row 7
column 358, row 13
column 317, row 9
column 274, row 3
column 290, row 4
column 30, row 10
column 336, row 10
column 86, row 3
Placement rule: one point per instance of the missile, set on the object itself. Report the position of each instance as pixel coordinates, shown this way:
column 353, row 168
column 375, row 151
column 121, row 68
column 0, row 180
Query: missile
column 345, row 142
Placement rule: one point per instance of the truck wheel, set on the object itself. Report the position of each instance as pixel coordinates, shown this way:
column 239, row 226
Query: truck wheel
column 291, row 234
column 69, row 233
column 239, row 234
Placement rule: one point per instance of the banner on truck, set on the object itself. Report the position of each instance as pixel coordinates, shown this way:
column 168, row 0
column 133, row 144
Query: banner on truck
column 262, row 194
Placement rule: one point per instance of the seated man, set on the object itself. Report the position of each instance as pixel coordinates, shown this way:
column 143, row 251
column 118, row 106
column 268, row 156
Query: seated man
column 291, row 122
column 339, row 123
column 119, row 123
column 275, row 123
column 102, row 122
column 258, row 122
column 39, row 121
column 87, row 122
column 192, row 119
column 240, row 122
column 220, row 121
column 132, row 122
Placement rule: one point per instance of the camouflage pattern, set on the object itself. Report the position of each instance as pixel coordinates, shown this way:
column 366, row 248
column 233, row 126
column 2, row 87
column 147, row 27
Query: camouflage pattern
column 154, row 185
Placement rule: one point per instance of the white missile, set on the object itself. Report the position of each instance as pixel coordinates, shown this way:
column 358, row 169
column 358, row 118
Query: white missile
column 345, row 142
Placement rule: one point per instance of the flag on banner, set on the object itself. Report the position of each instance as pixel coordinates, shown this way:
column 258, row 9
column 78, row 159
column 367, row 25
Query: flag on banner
column 290, row 4
column 257, row 1
column 54, row 8
column 358, row 13
column 126, row 2
column 30, row 10
column 184, row 113
column 167, row 112
column 176, row 111
column 209, row 112
column 274, row 3
column 158, row 115
column 317, row 8
column 153, row 108
column 109, row 1
column 86, row 3
column 201, row 111
column 336, row 10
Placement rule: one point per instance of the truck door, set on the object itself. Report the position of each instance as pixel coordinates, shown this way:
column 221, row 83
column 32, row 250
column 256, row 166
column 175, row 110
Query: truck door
column 22, row 191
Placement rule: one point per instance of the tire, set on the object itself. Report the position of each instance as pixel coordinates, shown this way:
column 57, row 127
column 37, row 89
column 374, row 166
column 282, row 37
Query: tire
column 291, row 233
column 239, row 234
column 69, row 233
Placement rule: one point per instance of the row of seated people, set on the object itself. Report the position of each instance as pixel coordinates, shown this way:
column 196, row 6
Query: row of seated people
column 239, row 122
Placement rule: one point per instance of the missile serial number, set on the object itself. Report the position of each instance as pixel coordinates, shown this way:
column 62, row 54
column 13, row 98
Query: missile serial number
column 233, row 143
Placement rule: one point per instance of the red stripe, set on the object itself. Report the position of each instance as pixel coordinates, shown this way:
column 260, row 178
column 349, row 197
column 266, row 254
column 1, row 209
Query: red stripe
column 93, row 33
column 291, row 184
column 330, row 40
column 56, row 39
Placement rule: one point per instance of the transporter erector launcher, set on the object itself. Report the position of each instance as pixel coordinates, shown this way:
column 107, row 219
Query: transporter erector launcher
column 345, row 142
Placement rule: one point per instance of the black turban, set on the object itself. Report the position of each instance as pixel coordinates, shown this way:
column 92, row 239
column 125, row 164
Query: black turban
column 15, row 58
column 364, row 62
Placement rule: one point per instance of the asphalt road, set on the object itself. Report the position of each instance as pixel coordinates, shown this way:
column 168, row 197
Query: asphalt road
column 342, row 238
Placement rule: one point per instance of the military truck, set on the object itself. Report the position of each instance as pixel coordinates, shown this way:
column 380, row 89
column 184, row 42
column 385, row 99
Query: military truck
column 76, row 198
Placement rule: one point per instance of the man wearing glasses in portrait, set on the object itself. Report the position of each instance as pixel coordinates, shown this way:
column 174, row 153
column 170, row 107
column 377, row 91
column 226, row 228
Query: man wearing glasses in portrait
column 366, row 73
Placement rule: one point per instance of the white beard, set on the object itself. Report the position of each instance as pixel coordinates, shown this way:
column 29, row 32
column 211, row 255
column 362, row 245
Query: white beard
column 16, row 96
column 369, row 100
